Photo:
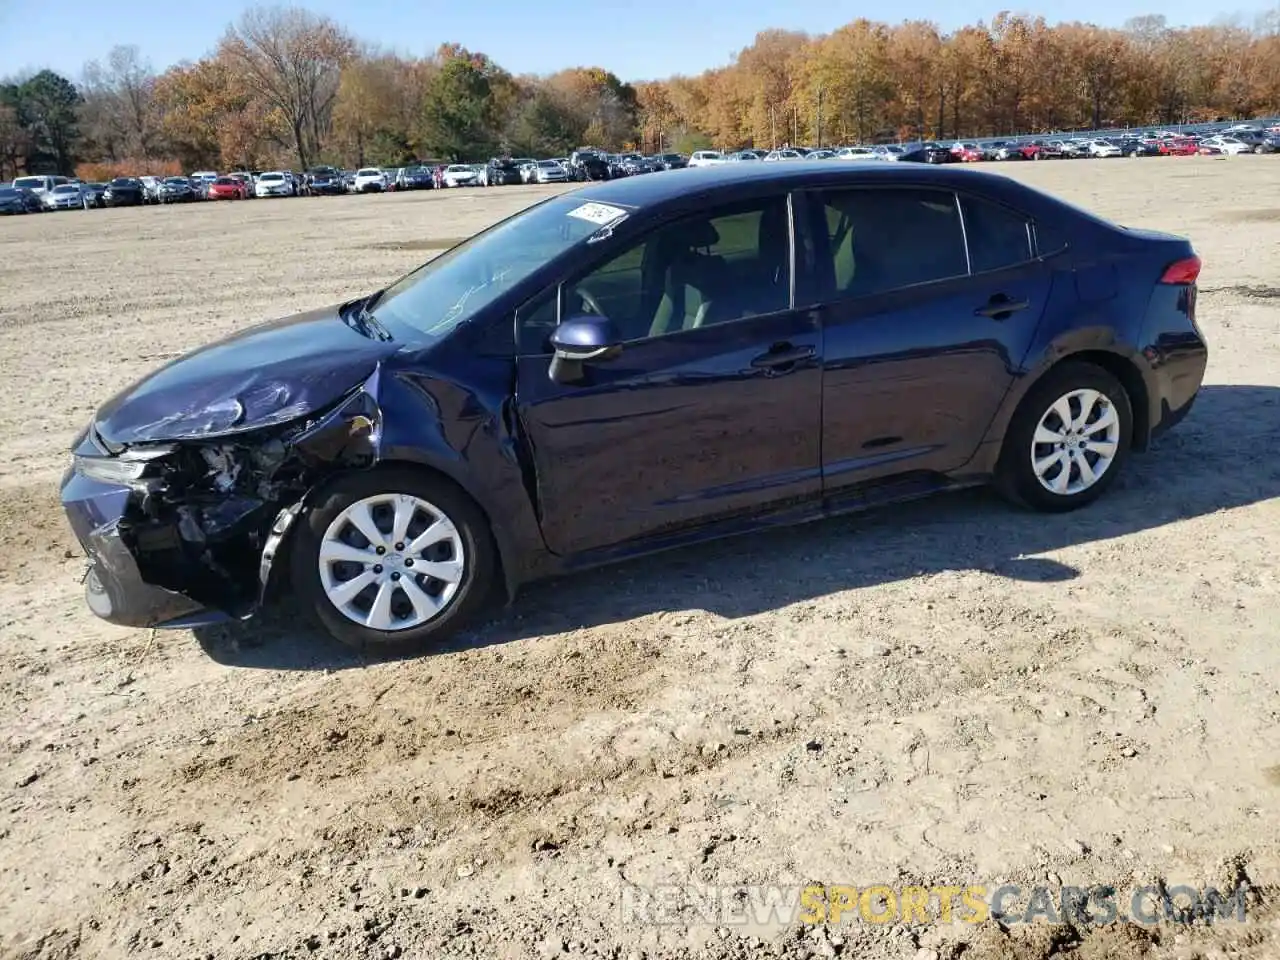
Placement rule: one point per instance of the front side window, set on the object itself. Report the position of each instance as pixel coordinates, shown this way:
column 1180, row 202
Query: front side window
column 454, row 286
column 716, row 267
column 885, row 239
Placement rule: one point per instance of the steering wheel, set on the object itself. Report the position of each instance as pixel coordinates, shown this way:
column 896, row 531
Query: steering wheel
column 589, row 301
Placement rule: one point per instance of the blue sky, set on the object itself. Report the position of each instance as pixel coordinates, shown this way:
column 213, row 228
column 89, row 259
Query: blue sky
column 637, row 41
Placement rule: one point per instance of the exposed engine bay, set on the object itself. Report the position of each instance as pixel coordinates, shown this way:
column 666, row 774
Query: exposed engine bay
column 206, row 518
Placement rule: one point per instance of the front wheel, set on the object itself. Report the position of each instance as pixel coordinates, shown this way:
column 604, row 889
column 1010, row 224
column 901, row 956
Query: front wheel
column 1067, row 441
column 393, row 560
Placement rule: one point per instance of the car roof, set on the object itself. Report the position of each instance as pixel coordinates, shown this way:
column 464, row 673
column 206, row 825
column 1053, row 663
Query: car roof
column 674, row 184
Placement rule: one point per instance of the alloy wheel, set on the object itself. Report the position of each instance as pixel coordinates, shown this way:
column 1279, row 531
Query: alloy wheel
column 1075, row 442
column 391, row 561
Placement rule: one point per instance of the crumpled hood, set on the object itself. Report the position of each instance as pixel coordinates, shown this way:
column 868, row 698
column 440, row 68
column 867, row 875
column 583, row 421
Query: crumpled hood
column 266, row 375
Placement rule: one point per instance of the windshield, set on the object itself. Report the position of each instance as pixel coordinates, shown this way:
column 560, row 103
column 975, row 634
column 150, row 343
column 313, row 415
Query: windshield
column 453, row 287
column 29, row 183
column 368, row 172
column 177, row 182
column 122, row 182
column 271, row 176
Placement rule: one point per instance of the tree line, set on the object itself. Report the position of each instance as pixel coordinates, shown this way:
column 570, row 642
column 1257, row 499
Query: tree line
column 288, row 87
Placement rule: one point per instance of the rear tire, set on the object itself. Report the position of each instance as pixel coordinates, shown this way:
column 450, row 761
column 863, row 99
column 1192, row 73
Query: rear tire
column 410, row 598
column 1068, row 440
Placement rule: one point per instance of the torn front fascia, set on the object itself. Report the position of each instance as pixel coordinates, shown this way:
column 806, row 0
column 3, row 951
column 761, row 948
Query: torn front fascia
column 212, row 521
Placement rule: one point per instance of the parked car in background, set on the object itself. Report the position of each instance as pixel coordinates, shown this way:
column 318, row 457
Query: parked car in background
column 742, row 156
column 228, row 188
column 928, row 152
column 151, row 188
column 200, row 181
column 124, row 192
column 91, row 195
column 550, row 171
column 706, row 158
column 460, row 175
column 888, row 151
column 500, row 172
column 369, row 180
column 414, row 178
column 1230, row 146
column 1103, row 148
column 968, row 152
column 65, row 196
column 671, row 161
column 178, row 190
column 273, row 183
column 856, row 153
column 321, row 181
column 774, row 156
column 1132, row 147
column 589, row 164
column 18, row 200
column 39, row 185
column 1258, row 141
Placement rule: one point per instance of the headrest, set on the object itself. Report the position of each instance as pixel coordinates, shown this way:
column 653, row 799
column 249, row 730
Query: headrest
column 700, row 233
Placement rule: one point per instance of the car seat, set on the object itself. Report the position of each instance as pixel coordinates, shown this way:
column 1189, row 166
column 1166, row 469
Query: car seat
column 692, row 278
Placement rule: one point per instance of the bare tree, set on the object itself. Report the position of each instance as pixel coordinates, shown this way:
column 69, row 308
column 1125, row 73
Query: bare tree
column 117, row 113
column 293, row 60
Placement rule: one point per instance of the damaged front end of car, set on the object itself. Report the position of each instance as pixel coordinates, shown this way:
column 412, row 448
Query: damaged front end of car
column 180, row 533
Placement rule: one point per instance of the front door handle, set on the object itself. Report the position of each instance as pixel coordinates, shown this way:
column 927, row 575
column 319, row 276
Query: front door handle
column 782, row 356
column 1001, row 307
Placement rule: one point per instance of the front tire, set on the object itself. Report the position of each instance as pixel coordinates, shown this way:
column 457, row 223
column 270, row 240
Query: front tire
column 1068, row 440
column 393, row 560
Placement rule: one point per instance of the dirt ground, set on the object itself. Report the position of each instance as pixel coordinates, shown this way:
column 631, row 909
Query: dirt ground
column 951, row 692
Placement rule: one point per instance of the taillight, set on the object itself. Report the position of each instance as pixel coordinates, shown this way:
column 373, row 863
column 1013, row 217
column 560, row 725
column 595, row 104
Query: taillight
column 1183, row 271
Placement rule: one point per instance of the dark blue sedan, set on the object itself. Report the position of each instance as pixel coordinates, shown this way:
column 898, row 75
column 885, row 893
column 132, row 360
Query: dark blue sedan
column 634, row 366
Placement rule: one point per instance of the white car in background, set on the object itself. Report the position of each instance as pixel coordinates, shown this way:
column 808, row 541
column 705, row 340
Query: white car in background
column 888, row 151
column 151, row 189
column 1228, row 145
column 1104, row 148
column 856, row 153
column 460, row 175
column 369, row 180
column 706, row 158
column 37, row 185
column 273, row 183
column 775, row 156
column 549, row 171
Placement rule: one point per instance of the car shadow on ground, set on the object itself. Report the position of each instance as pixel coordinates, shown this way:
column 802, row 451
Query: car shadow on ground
column 1222, row 456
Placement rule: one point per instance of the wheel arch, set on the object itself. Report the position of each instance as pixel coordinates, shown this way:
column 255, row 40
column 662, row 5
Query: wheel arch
column 1127, row 366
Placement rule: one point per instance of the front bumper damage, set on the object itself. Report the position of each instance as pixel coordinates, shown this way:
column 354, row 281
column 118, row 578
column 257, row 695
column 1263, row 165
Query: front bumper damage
column 190, row 532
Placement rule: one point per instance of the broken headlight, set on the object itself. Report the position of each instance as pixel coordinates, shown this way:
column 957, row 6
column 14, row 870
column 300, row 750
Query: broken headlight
column 131, row 465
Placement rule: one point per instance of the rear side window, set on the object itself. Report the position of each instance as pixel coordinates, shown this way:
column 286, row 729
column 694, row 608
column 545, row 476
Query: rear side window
column 998, row 237
column 885, row 239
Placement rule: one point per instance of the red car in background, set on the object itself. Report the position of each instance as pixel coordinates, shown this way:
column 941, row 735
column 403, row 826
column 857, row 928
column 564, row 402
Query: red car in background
column 968, row 152
column 1179, row 147
column 228, row 188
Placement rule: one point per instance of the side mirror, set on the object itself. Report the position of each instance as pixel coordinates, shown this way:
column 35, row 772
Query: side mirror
column 578, row 340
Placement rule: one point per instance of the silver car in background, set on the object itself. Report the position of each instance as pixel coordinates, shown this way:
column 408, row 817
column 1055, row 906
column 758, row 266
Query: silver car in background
column 549, row 171
column 65, row 196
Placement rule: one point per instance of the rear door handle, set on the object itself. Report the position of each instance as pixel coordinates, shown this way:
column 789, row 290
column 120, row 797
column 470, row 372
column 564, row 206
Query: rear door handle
column 1000, row 307
column 782, row 355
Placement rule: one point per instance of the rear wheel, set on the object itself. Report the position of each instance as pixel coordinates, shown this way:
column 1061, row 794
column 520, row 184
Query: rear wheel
column 1067, row 441
column 393, row 560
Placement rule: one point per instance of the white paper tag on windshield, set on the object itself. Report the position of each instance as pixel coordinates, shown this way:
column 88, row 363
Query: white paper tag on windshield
column 600, row 213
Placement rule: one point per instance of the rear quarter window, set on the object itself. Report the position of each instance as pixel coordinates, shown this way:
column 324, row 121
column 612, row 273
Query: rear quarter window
column 998, row 237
